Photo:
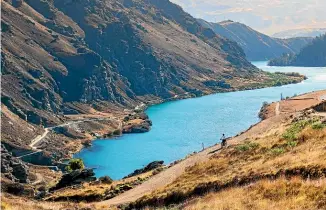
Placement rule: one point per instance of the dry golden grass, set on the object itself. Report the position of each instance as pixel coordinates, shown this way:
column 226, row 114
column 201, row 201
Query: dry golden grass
column 277, row 195
column 9, row 202
column 95, row 191
column 247, row 162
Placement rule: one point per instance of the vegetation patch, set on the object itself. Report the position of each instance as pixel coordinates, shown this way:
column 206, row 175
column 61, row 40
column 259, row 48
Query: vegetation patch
column 292, row 144
column 293, row 132
column 277, row 151
column 318, row 125
column 75, row 164
column 247, row 147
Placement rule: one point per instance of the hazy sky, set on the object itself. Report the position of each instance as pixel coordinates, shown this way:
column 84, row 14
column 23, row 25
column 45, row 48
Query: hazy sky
column 268, row 16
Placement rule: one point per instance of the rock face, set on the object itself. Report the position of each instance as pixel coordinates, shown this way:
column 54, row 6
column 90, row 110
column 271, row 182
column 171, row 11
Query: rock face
column 74, row 178
column 142, row 127
column 13, row 168
column 149, row 167
column 312, row 55
column 263, row 111
column 136, row 123
column 256, row 45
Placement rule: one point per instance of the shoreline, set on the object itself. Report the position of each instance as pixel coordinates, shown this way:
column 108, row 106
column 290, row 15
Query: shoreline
column 80, row 146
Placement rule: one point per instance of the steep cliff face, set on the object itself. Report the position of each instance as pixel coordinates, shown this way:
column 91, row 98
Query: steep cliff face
column 57, row 53
column 312, row 55
column 257, row 46
column 46, row 63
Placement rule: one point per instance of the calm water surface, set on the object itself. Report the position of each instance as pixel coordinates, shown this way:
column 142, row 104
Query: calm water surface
column 180, row 127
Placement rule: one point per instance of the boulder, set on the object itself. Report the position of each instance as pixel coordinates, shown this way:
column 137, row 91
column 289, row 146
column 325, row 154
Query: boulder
column 13, row 168
column 17, row 189
column 105, row 180
column 151, row 166
column 20, row 171
column 75, row 178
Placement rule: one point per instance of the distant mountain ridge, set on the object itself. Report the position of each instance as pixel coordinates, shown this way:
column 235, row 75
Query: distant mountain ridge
column 308, row 32
column 312, row 55
column 257, row 46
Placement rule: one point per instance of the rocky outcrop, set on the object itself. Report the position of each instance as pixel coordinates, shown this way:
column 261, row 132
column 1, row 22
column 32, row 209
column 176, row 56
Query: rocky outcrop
column 13, row 168
column 136, row 123
column 105, row 180
column 142, row 127
column 263, row 113
column 149, row 167
column 17, row 189
column 75, row 178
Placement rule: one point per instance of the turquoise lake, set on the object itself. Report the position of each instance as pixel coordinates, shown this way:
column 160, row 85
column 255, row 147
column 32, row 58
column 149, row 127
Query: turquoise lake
column 180, row 127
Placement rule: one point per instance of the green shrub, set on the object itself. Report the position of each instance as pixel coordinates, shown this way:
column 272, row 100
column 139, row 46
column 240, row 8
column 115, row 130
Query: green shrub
column 247, row 146
column 318, row 125
column 291, row 133
column 75, row 164
column 292, row 144
column 277, row 151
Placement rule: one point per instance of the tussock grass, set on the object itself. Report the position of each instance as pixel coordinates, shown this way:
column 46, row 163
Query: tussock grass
column 277, row 195
column 9, row 202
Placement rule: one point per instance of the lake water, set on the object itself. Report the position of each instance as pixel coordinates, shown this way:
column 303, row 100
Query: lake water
column 180, row 127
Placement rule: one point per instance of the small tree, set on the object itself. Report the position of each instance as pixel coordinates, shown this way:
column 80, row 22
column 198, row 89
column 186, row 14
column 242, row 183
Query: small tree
column 75, row 164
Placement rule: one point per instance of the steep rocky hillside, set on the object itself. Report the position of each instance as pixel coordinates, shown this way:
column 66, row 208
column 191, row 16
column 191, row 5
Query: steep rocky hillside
column 61, row 55
column 313, row 55
column 257, row 46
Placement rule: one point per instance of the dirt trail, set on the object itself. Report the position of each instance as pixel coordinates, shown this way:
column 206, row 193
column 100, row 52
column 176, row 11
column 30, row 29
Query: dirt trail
column 39, row 138
column 277, row 109
column 39, row 179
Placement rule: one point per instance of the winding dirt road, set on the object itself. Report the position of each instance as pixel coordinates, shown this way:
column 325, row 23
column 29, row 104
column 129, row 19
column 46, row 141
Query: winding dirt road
column 39, row 138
